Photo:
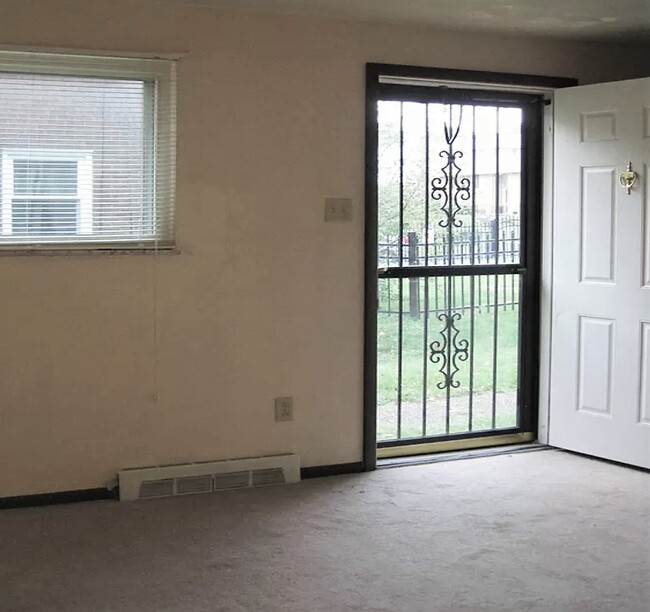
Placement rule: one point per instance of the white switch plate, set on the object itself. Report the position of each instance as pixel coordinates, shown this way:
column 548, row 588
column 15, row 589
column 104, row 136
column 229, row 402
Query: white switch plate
column 338, row 209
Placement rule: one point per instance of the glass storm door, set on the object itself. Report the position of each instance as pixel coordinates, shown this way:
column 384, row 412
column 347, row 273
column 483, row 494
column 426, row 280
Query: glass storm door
column 457, row 257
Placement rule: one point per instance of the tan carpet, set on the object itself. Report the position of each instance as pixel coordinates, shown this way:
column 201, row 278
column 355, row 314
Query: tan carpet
column 537, row 531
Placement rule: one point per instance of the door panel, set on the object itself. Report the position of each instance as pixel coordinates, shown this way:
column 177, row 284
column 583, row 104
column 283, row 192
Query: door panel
column 598, row 221
column 601, row 294
column 595, row 363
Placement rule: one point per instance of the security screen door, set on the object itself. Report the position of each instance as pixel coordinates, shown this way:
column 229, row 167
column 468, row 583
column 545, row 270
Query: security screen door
column 457, row 243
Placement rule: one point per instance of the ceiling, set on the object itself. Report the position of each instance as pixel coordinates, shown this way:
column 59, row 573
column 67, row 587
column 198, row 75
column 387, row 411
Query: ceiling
column 600, row 20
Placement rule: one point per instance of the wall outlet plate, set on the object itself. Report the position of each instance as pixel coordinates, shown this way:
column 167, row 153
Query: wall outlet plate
column 338, row 209
column 283, row 409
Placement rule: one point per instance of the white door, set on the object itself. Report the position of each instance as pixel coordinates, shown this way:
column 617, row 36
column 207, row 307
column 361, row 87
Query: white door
column 600, row 355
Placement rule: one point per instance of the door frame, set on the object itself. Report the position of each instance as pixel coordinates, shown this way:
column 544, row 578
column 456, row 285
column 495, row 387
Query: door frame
column 536, row 188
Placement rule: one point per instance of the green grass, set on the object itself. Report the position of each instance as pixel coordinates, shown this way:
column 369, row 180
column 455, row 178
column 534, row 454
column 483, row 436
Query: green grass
column 416, row 347
column 414, row 352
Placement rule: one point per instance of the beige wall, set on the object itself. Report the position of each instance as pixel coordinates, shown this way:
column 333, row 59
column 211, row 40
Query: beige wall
column 264, row 299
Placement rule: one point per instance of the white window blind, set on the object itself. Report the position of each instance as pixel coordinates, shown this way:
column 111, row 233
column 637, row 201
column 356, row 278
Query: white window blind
column 87, row 151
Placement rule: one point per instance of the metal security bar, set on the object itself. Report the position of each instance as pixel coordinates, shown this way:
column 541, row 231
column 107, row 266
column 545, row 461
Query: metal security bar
column 451, row 255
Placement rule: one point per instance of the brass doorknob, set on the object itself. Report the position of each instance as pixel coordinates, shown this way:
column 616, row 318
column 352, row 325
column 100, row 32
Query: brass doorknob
column 628, row 178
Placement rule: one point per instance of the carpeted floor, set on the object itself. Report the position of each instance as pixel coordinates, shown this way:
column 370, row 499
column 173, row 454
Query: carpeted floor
column 536, row 531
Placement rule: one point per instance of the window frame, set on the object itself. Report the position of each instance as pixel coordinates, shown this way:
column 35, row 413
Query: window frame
column 159, row 109
column 84, row 190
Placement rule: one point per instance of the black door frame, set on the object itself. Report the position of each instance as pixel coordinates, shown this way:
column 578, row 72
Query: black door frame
column 531, row 213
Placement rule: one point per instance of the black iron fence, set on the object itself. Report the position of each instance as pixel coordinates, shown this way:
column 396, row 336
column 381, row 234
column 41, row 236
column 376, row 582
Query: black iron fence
column 489, row 243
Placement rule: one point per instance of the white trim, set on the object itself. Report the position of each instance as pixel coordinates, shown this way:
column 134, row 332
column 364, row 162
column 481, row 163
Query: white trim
column 546, row 277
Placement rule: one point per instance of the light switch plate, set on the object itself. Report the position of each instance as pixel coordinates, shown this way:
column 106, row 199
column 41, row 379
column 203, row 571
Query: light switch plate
column 338, row 209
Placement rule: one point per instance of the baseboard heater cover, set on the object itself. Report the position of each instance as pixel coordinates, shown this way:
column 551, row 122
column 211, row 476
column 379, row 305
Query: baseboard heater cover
column 207, row 476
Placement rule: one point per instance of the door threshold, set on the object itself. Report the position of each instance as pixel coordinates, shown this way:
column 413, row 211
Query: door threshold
column 474, row 453
column 457, row 444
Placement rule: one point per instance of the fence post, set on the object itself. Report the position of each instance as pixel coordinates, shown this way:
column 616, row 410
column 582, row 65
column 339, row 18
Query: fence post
column 494, row 238
column 414, row 283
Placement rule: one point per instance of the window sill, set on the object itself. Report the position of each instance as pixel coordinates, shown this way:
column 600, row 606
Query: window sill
column 88, row 251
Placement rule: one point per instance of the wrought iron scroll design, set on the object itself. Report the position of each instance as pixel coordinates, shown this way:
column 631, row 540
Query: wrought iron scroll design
column 449, row 189
column 450, row 351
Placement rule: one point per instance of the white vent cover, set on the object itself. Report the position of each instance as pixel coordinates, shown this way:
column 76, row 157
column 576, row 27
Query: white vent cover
column 207, row 476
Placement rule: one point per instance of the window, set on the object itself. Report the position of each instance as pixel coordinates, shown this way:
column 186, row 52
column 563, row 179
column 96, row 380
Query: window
column 47, row 193
column 87, row 149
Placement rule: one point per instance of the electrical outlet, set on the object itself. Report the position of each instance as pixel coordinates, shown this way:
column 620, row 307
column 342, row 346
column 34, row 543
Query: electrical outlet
column 338, row 209
column 283, row 409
